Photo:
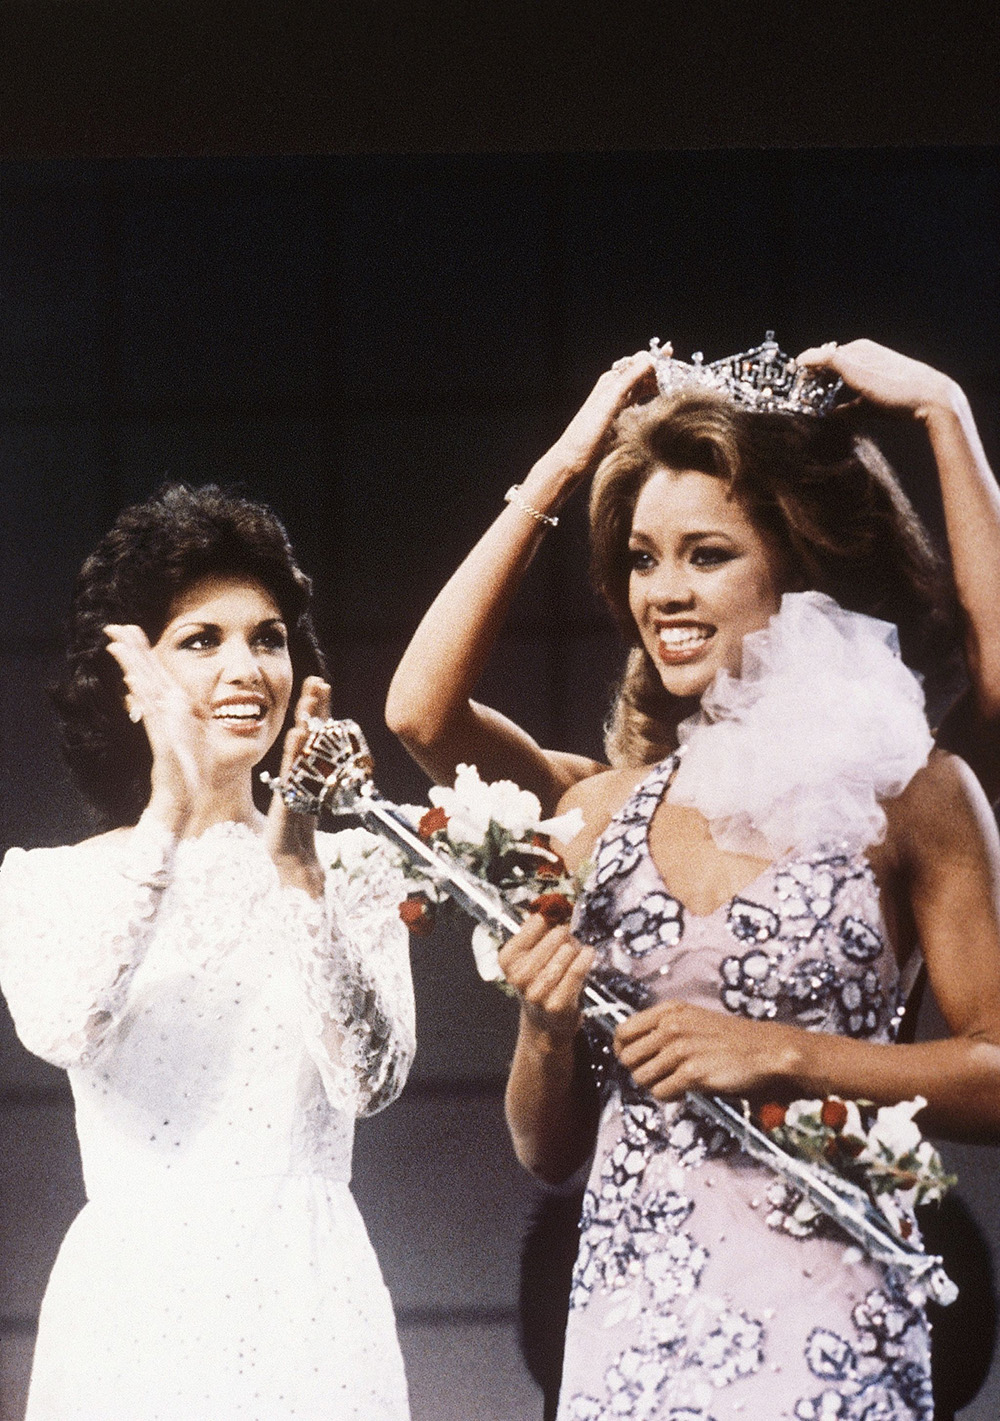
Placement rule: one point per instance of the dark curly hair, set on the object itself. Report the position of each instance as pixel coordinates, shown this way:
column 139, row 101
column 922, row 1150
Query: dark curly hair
column 154, row 551
column 823, row 495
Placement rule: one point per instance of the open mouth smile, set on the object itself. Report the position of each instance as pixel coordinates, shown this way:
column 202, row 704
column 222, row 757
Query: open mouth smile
column 681, row 642
column 243, row 712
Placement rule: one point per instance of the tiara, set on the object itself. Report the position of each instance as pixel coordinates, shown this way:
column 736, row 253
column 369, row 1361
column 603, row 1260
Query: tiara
column 762, row 379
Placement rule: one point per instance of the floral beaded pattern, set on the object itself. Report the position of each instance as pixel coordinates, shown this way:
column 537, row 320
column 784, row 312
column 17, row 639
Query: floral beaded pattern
column 698, row 1293
column 622, row 848
column 800, row 947
column 875, row 1377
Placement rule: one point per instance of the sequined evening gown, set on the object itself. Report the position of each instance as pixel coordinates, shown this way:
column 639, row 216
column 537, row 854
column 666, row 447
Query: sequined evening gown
column 221, row 1034
column 699, row 1294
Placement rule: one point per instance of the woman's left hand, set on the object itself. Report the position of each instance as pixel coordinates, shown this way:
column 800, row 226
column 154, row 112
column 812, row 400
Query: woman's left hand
column 290, row 836
column 883, row 376
column 675, row 1047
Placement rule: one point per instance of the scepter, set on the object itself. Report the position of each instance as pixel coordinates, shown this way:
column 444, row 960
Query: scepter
column 334, row 771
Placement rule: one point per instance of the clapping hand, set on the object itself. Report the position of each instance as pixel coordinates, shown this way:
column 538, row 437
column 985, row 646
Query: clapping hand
column 175, row 728
column 290, row 836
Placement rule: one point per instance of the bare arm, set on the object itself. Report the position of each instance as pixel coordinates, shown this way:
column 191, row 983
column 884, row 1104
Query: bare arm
column 552, row 1104
column 430, row 705
column 950, row 862
column 972, row 516
column 969, row 491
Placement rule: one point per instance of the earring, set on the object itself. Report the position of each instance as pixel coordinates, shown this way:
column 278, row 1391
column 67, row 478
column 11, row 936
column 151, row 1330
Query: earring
column 134, row 711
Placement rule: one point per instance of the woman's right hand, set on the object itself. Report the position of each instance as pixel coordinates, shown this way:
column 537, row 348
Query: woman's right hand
column 584, row 442
column 176, row 733
column 546, row 967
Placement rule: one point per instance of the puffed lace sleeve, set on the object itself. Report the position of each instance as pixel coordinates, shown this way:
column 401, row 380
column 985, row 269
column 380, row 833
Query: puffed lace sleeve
column 74, row 925
column 355, row 967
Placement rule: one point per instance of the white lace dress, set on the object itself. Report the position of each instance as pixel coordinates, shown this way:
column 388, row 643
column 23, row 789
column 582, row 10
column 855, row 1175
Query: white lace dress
column 221, row 1034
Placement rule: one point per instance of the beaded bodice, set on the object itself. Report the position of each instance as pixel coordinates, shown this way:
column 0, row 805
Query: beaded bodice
column 804, row 942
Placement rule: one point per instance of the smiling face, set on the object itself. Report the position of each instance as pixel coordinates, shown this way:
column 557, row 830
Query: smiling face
column 227, row 645
column 702, row 577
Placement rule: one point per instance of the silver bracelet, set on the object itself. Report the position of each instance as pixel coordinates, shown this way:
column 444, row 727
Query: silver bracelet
column 513, row 495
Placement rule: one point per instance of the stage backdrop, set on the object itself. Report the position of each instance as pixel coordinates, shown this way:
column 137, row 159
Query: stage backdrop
column 379, row 347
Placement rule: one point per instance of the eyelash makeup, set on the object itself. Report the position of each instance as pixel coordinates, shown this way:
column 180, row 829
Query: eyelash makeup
column 270, row 638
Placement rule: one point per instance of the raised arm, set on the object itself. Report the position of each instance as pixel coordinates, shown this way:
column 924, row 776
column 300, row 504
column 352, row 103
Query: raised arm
column 430, row 705
column 969, row 491
column 75, row 923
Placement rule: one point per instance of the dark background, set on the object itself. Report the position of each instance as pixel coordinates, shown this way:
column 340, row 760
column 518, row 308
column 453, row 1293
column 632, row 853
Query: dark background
column 130, row 77
column 379, row 345
column 367, row 260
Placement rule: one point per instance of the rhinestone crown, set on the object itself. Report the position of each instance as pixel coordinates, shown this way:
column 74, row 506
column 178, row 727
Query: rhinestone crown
column 763, row 378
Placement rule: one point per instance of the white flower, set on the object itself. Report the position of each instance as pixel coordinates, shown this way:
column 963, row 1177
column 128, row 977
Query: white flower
column 926, row 1154
column 466, row 806
column 563, row 827
column 471, row 805
column 516, row 809
column 353, row 848
column 853, row 1125
column 485, row 948
column 799, row 1111
column 894, row 1129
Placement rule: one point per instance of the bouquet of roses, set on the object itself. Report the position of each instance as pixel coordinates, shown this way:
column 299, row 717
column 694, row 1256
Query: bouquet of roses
column 496, row 832
column 879, row 1149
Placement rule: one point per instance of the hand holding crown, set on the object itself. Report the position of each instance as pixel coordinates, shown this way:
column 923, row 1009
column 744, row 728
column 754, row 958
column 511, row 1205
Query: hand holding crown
column 584, row 442
column 883, row 376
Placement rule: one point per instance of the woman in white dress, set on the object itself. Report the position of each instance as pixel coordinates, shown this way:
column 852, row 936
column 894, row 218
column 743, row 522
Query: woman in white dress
column 228, row 990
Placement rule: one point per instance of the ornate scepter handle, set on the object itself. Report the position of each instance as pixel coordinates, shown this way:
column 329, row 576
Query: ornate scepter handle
column 333, row 771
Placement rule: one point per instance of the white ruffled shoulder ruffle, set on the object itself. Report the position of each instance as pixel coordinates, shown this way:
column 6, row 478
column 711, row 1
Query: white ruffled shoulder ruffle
column 823, row 723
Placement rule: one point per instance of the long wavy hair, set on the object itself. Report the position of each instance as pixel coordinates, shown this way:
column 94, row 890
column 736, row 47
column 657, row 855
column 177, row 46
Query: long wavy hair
column 156, row 550
column 825, row 498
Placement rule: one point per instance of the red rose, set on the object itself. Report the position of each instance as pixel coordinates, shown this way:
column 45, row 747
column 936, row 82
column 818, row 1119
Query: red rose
column 431, row 822
column 771, row 1115
column 417, row 912
column 833, row 1114
column 555, row 908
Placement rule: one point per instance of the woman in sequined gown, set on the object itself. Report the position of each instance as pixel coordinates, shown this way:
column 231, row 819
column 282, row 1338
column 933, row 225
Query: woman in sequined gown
column 770, row 966
column 228, row 990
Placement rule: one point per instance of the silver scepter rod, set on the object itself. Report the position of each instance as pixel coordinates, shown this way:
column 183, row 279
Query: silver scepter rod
column 334, row 772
